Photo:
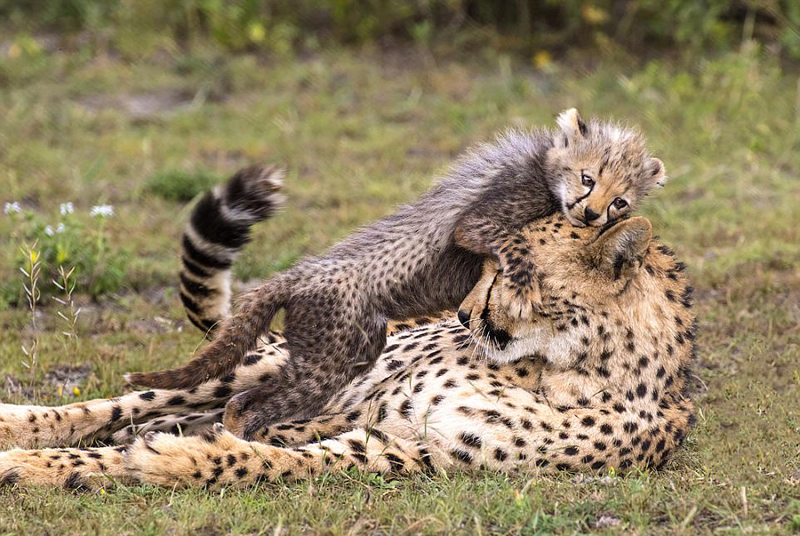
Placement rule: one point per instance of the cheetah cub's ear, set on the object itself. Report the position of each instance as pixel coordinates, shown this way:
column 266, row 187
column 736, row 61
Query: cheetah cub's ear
column 620, row 249
column 657, row 172
column 571, row 125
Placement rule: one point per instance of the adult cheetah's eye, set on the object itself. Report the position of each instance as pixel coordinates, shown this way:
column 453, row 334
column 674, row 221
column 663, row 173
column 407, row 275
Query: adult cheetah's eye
column 620, row 203
column 587, row 180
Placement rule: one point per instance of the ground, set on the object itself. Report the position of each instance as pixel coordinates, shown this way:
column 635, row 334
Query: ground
column 362, row 132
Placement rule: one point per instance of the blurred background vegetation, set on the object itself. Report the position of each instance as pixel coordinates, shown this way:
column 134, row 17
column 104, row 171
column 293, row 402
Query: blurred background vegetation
column 139, row 27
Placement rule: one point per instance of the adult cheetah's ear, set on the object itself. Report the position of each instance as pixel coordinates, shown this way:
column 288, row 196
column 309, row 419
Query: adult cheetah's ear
column 656, row 171
column 572, row 126
column 621, row 247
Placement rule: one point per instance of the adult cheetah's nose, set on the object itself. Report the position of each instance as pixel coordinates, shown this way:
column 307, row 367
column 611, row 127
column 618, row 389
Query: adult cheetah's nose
column 590, row 215
column 463, row 317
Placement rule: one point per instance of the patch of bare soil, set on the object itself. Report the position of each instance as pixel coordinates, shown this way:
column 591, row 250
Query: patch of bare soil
column 13, row 386
column 68, row 376
column 142, row 106
column 155, row 325
column 65, row 378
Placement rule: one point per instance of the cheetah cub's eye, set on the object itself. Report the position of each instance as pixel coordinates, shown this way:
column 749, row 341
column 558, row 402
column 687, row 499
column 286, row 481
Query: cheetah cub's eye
column 587, row 180
column 620, row 203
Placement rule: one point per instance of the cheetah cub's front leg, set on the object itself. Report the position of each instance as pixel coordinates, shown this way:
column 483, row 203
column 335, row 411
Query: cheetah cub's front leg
column 520, row 292
column 520, row 288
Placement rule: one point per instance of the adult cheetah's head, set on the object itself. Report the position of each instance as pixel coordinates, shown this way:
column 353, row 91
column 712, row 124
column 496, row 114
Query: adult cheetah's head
column 582, row 270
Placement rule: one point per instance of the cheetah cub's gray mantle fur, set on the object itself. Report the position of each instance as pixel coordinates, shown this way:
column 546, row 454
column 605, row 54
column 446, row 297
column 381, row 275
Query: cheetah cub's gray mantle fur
column 424, row 258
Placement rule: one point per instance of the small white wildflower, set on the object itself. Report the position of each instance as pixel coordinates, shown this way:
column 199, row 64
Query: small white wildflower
column 60, row 228
column 103, row 211
column 49, row 230
column 12, row 208
column 67, row 208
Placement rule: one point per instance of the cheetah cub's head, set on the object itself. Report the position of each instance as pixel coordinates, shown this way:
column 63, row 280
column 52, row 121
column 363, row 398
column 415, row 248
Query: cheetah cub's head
column 599, row 170
column 584, row 272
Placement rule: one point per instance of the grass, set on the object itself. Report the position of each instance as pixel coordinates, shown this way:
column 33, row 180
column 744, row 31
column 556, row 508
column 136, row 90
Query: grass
column 362, row 133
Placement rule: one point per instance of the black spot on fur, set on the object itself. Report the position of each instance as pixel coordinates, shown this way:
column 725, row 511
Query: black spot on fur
column 471, row 440
column 405, row 409
column 462, row 456
column 630, row 427
column 252, row 359
column 381, row 412
column 9, row 478
column 75, row 482
column 222, row 391
column 176, row 401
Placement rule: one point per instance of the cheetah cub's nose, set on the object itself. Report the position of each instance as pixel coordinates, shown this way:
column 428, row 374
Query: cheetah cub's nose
column 463, row 317
column 590, row 215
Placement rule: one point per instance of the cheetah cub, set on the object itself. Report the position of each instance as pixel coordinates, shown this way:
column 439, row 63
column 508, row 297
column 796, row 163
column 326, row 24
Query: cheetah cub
column 424, row 258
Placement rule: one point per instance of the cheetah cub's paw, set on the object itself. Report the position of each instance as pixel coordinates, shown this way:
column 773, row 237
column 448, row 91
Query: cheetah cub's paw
column 519, row 299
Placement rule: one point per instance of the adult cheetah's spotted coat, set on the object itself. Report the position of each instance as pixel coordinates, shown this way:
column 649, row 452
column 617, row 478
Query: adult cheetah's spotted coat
column 594, row 382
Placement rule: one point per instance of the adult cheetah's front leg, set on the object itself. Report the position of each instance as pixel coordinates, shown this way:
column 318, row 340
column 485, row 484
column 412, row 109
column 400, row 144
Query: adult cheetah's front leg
column 77, row 469
column 89, row 468
column 214, row 460
column 223, row 460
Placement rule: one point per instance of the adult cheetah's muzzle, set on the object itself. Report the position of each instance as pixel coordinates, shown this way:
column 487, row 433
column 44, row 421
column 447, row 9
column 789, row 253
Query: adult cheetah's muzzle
column 499, row 337
column 496, row 337
column 463, row 317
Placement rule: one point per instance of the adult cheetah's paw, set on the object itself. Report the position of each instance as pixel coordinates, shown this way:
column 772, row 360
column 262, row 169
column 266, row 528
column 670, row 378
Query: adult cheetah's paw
column 169, row 460
column 27, row 468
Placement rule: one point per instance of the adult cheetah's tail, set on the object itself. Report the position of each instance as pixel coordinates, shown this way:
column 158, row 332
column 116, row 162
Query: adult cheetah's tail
column 218, row 230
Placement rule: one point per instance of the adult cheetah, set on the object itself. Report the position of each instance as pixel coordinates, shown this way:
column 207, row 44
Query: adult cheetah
column 596, row 380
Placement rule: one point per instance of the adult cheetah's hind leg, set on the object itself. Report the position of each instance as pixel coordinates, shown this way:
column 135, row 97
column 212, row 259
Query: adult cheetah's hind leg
column 178, row 424
column 302, row 431
column 98, row 420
